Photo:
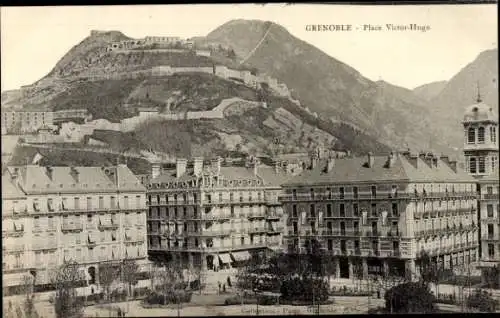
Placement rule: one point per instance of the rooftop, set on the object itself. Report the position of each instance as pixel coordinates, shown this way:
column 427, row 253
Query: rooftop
column 403, row 168
column 34, row 179
column 480, row 112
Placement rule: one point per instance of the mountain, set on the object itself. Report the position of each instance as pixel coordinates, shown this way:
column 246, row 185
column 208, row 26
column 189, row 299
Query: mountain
column 431, row 90
column 328, row 86
column 461, row 91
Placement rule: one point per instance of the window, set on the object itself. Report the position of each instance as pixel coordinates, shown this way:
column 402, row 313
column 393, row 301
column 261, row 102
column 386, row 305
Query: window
column 312, row 211
column 101, row 202
column 342, row 209
column 125, row 202
column 51, row 222
column 480, row 135
column 330, row 245
column 312, row 193
column 294, row 193
column 295, row 228
column 471, row 135
column 374, row 191
column 342, row 228
column 356, row 226
column 395, row 209
column 77, row 203
column 36, row 222
column 232, row 211
column 328, row 210
column 113, row 202
column 138, row 201
column 231, row 197
column 355, row 192
column 472, row 165
column 491, row 250
column 489, row 190
column 490, row 230
column 89, row 218
column 493, row 134
column 50, row 204
column 482, row 165
column 89, row 203
column 489, row 209
column 329, row 191
column 294, row 210
column 341, row 192
column 220, row 197
column 356, row 245
column 494, row 164
column 313, row 227
column 343, row 246
column 374, row 209
column 355, row 209
column 395, row 245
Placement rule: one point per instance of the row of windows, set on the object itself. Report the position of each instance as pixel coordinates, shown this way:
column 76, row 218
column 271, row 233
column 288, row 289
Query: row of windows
column 471, row 135
column 342, row 191
column 76, row 203
column 343, row 244
column 342, row 226
column 478, row 164
column 342, row 210
column 208, row 197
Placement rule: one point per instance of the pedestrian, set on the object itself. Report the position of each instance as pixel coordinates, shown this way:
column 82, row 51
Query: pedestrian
column 224, row 288
column 229, row 281
column 219, row 286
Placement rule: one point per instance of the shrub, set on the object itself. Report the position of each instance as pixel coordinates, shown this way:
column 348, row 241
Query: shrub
column 236, row 300
column 139, row 292
column 195, row 285
column 411, row 297
column 118, row 295
column 482, row 301
column 304, row 289
column 156, row 298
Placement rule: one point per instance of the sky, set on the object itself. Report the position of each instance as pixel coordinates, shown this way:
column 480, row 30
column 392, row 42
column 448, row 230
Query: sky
column 33, row 39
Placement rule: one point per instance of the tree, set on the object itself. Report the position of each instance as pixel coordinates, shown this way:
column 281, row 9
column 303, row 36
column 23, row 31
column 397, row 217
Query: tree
column 429, row 272
column 231, row 54
column 492, row 276
column 66, row 303
column 482, row 301
column 29, row 301
column 129, row 273
column 410, row 297
column 108, row 273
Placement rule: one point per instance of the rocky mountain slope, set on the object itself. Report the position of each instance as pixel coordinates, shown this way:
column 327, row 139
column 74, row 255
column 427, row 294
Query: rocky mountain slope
column 333, row 89
column 431, row 90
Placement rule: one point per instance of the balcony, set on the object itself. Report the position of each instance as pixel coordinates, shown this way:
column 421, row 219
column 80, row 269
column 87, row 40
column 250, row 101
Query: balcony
column 173, row 203
column 13, row 233
column 490, row 196
column 235, row 202
column 107, row 226
column 15, row 214
column 17, row 248
column 256, row 216
column 275, row 230
column 133, row 240
column 71, row 227
column 257, row 230
column 274, row 216
column 50, row 245
column 219, row 217
column 211, row 233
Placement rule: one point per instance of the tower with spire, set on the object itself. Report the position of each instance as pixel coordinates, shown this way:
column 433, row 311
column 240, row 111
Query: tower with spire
column 481, row 161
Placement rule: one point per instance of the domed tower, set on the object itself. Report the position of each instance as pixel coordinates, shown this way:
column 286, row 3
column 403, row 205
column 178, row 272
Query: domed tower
column 481, row 161
column 481, row 140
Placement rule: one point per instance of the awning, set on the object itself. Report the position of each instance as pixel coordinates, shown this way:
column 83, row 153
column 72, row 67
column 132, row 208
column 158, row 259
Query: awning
column 128, row 235
column 225, row 258
column 9, row 280
column 36, row 206
column 241, row 256
column 92, row 238
column 18, row 226
column 50, row 205
column 104, row 221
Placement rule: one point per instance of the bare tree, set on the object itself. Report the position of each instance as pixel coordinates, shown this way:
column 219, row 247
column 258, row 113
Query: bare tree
column 108, row 273
column 65, row 299
column 129, row 273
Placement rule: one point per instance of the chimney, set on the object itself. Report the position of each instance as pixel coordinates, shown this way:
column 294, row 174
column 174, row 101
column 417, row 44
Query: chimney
column 370, row 160
column 49, row 172
column 255, row 168
column 429, row 159
column 181, row 167
column 198, row 166
column 277, row 167
column 453, row 165
column 314, row 161
column 330, row 164
column 75, row 174
column 155, row 170
column 391, row 159
column 216, row 165
column 413, row 160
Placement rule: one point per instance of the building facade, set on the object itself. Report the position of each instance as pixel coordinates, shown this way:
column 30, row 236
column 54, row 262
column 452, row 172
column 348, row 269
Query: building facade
column 481, row 158
column 53, row 215
column 17, row 122
column 212, row 216
column 377, row 214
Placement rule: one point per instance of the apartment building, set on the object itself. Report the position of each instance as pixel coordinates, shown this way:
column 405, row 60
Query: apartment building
column 213, row 216
column 481, row 156
column 52, row 215
column 374, row 215
column 17, row 122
